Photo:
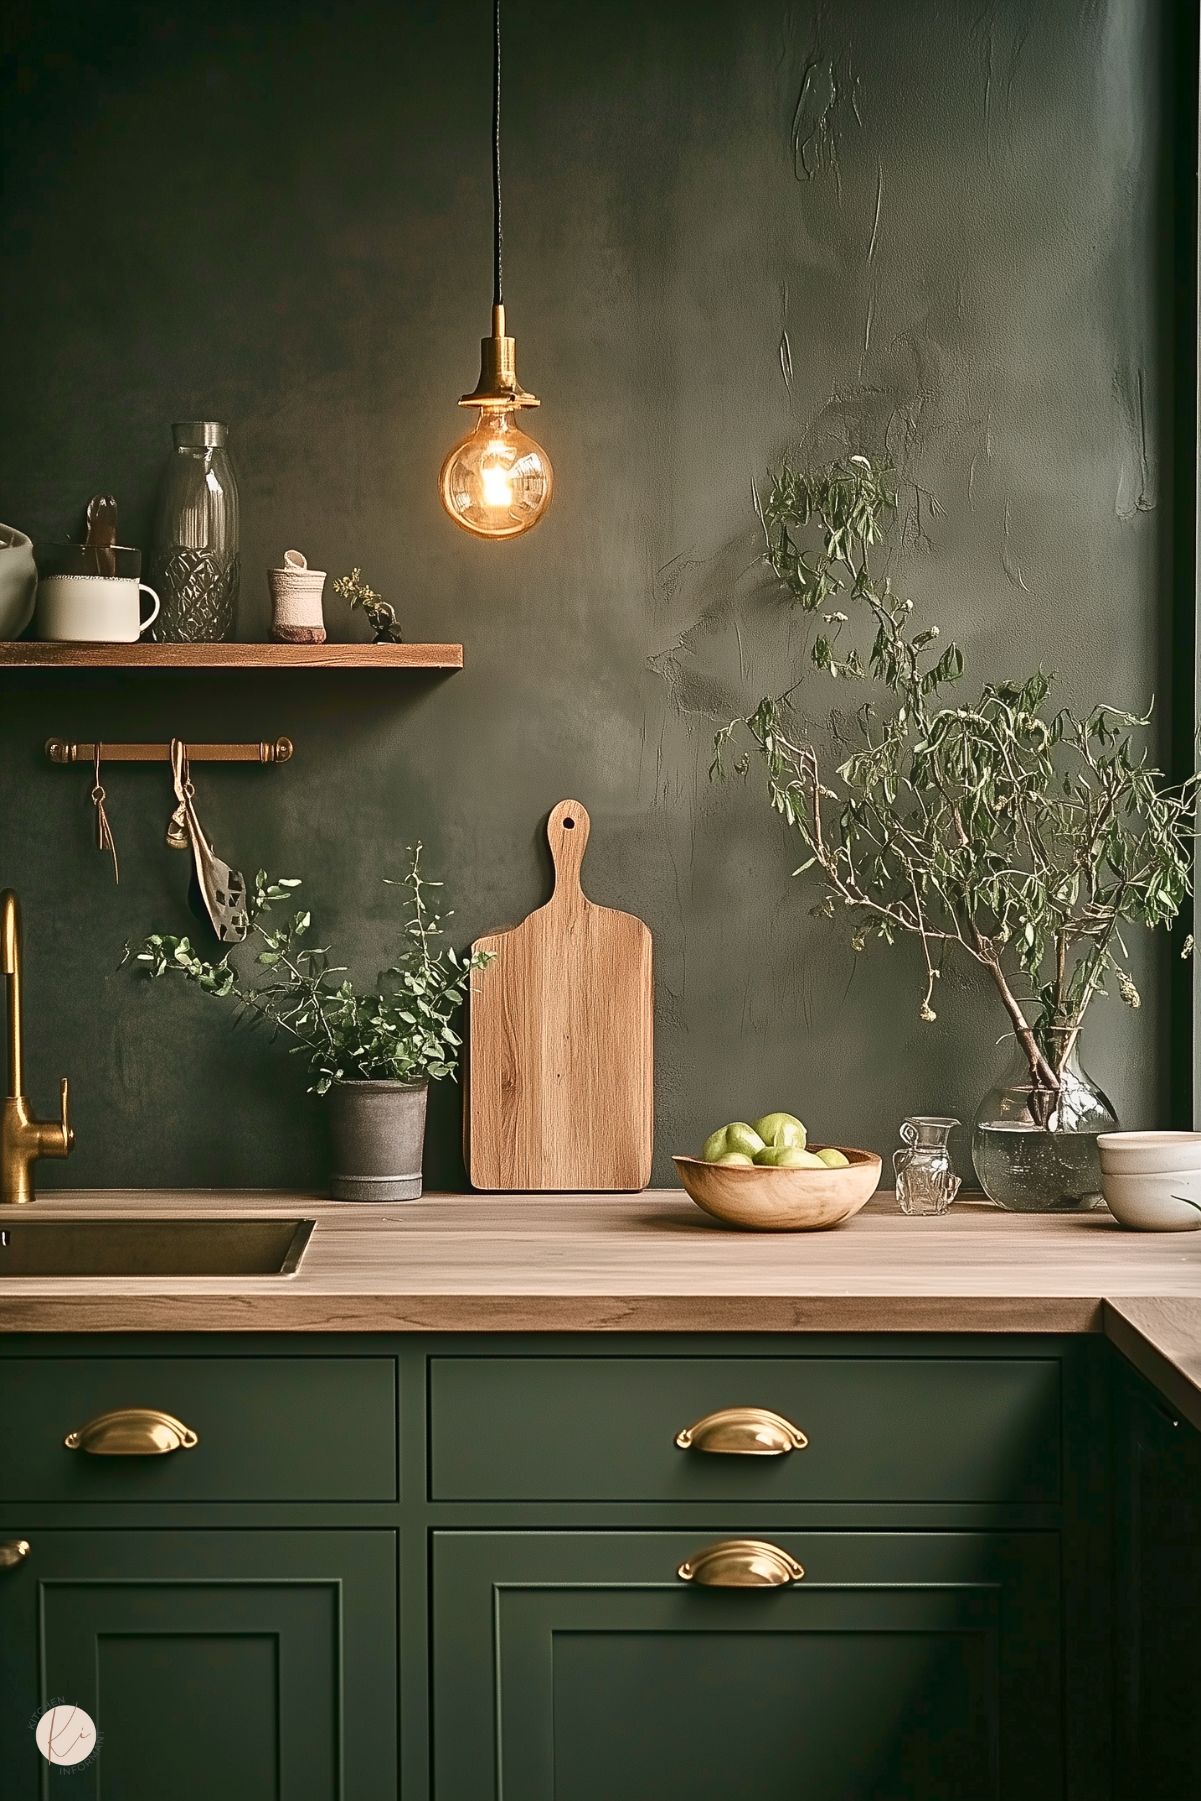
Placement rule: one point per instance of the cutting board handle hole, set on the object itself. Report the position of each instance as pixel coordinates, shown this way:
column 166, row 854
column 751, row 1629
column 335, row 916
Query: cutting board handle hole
column 569, row 825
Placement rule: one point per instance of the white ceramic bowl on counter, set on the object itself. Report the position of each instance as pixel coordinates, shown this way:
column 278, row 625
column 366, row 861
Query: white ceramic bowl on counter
column 1152, row 1180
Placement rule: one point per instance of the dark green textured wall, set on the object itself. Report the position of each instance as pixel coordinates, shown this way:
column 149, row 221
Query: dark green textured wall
column 959, row 233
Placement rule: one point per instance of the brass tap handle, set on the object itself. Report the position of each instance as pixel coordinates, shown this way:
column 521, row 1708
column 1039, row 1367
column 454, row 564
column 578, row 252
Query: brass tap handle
column 61, row 1138
column 132, row 1432
column 13, row 1553
column 743, row 1432
column 741, row 1563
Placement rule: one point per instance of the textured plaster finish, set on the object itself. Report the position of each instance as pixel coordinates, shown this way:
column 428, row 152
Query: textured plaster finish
column 934, row 230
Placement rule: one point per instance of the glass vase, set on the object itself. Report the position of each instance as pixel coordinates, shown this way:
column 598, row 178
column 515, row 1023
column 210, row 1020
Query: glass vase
column 1035, row 1151
column 195, row 567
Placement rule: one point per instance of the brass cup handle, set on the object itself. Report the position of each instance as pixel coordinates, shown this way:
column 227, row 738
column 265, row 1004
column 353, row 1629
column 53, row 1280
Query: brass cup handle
column 743, row 1432
column 741, row 1563
column 132, row 1432
column 13, row 1553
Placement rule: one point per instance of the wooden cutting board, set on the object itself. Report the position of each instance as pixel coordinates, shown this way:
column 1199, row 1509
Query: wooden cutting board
column 560, row 1031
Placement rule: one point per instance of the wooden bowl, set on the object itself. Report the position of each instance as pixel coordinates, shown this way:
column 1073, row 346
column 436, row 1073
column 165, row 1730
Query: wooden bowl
column 764, row 1199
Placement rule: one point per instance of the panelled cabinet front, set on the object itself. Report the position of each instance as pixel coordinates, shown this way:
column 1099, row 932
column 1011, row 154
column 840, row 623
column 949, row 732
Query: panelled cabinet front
column 200, row 1550
column 219, row 1665
column 901, row 1665
column 684, row 1664
column 471, row 1549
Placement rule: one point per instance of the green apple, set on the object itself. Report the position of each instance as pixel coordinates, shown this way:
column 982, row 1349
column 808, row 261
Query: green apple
column 714, row 1146
column 833, row 1159
column 737, row 1136
column 791, row 1156
column 781, row 1129
column 787, row 1156
column 744, row 1138
column 736, row 1157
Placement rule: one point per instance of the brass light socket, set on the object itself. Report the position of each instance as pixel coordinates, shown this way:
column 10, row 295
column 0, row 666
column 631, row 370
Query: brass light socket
column 498, row 385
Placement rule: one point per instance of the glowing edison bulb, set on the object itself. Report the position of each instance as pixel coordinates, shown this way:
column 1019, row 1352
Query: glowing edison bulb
column 496, row 482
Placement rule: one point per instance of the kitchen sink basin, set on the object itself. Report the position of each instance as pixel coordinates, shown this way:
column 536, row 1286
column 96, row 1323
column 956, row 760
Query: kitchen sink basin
column 152, row 1247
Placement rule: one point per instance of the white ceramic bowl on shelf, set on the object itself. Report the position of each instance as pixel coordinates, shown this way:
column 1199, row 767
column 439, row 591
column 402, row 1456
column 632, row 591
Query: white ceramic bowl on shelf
column 1152, row 1180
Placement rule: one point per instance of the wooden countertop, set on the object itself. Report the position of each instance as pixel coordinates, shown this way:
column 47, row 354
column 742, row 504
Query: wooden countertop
column 650, row 1263
column 647, row 1262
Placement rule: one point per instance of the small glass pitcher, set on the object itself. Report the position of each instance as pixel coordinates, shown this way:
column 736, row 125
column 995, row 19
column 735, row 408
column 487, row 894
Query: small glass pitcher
column 926, row 1179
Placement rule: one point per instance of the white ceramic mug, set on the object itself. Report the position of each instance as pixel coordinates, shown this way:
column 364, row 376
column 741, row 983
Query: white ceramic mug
column 93, row 609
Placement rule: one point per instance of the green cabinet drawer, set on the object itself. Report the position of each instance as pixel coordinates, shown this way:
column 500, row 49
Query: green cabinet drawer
column 878, row 1429
column 578, row 1667
column 293, row 1428
column 217, row 1665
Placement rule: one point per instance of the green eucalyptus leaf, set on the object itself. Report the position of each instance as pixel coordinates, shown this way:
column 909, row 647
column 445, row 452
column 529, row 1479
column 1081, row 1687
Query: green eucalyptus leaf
column 1007, row 829
column 404, row 1027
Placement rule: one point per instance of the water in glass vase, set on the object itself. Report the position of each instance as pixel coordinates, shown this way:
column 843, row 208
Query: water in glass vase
column 1030, row 1167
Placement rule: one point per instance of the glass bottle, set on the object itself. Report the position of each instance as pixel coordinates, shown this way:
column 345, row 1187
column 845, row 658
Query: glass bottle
column 926, row 1179
column 1050, row 1165
column 195, row 567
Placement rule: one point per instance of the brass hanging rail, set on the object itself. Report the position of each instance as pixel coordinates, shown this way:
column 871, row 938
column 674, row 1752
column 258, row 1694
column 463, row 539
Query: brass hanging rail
column 279, row 750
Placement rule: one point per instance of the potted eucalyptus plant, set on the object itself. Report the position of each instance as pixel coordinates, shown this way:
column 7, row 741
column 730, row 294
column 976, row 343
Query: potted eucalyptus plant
column 373, row 1052
column 1023, row 835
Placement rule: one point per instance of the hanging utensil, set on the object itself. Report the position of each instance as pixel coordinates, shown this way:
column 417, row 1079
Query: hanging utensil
column 104, row 831
column 221, row 891
column 177, row 825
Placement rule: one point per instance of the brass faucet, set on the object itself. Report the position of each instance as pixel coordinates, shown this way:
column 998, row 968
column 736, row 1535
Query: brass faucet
column 23, row 1139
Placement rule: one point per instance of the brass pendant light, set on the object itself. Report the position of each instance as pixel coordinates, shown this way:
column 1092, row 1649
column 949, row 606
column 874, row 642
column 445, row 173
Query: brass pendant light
column 496, row 482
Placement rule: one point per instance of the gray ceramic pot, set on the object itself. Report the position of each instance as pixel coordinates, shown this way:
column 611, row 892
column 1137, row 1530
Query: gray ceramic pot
column 378, row 1132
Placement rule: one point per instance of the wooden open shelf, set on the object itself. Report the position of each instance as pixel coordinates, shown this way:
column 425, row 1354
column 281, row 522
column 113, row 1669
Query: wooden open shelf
column 230, row 656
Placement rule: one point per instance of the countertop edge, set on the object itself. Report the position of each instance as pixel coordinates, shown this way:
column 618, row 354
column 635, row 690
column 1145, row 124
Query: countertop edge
column 1153, row 1335
column 298, row 1311
column 1160, row 1341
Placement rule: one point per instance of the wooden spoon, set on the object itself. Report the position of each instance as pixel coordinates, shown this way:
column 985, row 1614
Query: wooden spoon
column 102, row 532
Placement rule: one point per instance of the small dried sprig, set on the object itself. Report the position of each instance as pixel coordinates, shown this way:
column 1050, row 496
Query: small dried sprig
column 1027, row 836
column 401, row 1031
column 381, row 615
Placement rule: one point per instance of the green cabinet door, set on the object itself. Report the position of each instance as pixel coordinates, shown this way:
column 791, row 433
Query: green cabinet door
column 904, row 1667
column 217, row 1665
column 1158, row 1603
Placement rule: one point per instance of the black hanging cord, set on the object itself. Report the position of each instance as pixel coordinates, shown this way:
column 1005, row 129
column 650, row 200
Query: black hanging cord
column 498, row 239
